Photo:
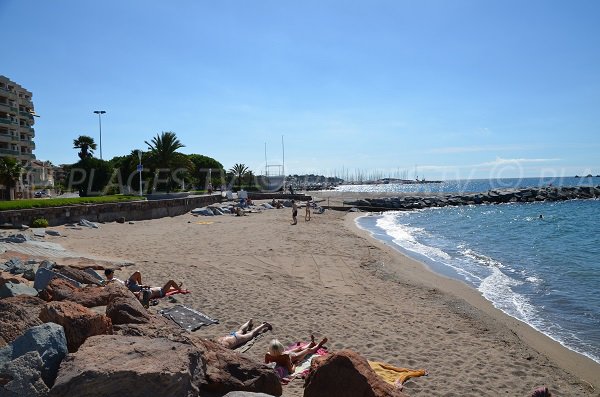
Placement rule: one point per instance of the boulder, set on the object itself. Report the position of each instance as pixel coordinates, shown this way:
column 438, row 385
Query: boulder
column 10, row 289
column 78, row 321
column 89, row 296
column 124, row 308
column 78, row 275
column 43, row 276
column 57, row 289
column 156, row 327
column 48, row 340
column 346, row 374
column 228, row 371
column 15, row 266
column 13, row 278
column 17, row 315
column 22, row 377
column 130, row 366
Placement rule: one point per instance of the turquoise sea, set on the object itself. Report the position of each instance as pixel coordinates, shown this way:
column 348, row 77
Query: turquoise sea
column 543, row 271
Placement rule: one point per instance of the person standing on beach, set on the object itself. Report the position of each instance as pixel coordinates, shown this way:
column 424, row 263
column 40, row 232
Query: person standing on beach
column 294, row 212
column 307, row 215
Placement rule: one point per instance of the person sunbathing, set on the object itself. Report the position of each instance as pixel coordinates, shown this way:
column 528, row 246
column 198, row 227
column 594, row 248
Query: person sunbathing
column 541, row 391
column 243, row 334
column 135, row 285
column 289, row 358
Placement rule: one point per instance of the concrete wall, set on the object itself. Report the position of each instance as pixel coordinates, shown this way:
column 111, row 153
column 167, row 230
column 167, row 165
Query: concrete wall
column 131, row 211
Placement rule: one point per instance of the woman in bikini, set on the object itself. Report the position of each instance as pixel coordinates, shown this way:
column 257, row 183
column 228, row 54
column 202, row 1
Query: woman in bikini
column 289, row 358
column 243, row 335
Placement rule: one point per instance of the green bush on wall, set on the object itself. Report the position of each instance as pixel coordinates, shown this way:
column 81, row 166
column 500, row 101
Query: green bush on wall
column 39, row 222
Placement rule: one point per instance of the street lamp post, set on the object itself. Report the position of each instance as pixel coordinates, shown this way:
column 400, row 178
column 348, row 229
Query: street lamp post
column 140, row 170
column 100, row 113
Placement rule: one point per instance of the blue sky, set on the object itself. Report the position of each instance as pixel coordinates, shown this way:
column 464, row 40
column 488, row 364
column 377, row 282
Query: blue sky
column 453, row 89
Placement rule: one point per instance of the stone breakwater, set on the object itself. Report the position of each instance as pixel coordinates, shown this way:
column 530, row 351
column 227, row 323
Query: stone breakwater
column 498, row 196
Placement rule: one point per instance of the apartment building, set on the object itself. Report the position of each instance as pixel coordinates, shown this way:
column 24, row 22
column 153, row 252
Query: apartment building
column 17, row 117
column 16, row 121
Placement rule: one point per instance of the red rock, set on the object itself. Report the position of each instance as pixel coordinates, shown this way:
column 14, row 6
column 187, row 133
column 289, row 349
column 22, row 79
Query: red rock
column 130, row 366
column 17, row 315
column 13, row 278
column 78, row 321
column 227, row 370
column 57, row 289
column 78, row 275
column 89, row 296
column 124, row 308
column 346, row 374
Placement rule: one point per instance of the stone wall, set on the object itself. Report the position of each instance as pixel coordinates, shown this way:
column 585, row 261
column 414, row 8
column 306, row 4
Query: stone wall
column 526, row 195
column 130, row 210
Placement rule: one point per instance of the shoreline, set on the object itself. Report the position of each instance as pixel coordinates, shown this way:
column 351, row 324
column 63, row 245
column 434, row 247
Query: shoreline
column 575, row 363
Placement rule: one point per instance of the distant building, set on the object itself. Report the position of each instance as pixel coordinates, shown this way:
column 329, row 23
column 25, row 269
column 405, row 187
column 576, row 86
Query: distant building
column 16, row 121
column 40, row 174
column 16, row 127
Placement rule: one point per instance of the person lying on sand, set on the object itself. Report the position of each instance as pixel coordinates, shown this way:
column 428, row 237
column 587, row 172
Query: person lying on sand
column 135, row 285
column 541, row 391
column 243, row 334
column 289, row 358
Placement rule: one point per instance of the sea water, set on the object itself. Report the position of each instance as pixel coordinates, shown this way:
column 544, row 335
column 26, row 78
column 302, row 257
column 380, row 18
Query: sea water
column 538, row 262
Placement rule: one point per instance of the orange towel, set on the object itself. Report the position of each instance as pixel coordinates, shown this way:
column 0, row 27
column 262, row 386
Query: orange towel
column 394, row 375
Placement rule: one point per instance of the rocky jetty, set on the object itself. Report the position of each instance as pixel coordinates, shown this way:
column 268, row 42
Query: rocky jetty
column 526, row 195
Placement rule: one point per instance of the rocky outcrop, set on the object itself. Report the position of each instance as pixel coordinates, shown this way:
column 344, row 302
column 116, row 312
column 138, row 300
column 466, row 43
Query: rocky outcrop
column 124, row 308
column 10, row 289
column 78, row 275
column 47, row 341
column 22, row 377
column 526, row 195
column 13, row 278
column 227, row 370
column 346, row 374
column 130, row 366
column 141, row 366
column 78, row 322
column 59, row 289
column 17, row 315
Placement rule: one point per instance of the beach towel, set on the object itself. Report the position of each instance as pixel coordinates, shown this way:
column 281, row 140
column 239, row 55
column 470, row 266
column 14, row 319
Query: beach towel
column 302, row 368
column 187, row 318
column 178, row 291
column 394, row 375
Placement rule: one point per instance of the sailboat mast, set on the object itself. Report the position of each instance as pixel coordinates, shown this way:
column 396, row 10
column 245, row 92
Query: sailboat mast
column 283, row 161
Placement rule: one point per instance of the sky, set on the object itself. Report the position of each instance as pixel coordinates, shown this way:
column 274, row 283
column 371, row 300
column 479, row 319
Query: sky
column 447, row 89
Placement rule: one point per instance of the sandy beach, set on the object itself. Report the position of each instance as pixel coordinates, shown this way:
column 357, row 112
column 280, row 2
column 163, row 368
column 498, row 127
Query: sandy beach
column 328, row 278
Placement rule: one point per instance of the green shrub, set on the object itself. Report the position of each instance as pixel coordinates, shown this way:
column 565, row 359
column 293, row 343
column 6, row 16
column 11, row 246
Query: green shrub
column 60, row 202
column 39, row 222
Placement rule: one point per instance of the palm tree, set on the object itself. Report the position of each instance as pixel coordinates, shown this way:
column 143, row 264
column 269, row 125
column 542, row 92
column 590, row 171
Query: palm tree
column 86, row 146
column 10, row 173
column 239, row 171
column 163, row 152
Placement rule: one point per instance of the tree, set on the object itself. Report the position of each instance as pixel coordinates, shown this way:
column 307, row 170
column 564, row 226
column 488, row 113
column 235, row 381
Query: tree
column 10, row 173
column 90, row 176
column 239, row 171
column 163, row 155
column 86, row 146
column 201, row 166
